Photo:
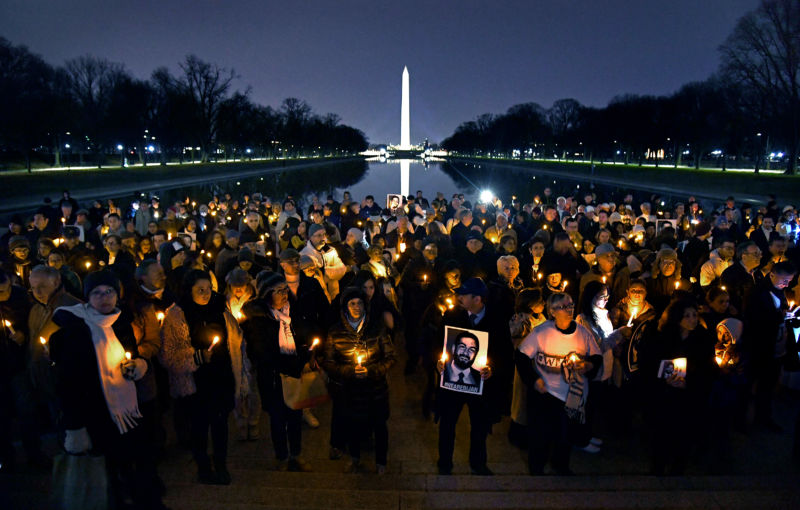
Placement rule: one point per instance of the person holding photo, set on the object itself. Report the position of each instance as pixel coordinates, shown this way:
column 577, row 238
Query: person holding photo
column 675, row 406
column 476, row 314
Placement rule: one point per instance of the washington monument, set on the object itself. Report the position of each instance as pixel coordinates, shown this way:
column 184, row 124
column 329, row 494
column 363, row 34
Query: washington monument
column 405, row 122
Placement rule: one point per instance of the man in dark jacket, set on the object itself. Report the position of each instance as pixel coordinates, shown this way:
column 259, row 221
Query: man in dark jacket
column 740, row 277
column 484, row 410
column 764, row 337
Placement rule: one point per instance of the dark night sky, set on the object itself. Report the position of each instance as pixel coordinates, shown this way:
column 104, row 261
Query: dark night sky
column 465, row 57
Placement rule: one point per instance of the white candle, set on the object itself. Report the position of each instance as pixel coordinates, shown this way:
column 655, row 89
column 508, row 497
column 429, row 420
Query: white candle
column 127, row 355
column 314, row 344
column 7, row 324
column 214, row 342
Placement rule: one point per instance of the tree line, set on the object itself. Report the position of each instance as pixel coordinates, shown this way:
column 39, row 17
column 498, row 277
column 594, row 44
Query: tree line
column 93, row 108
column 746, row 114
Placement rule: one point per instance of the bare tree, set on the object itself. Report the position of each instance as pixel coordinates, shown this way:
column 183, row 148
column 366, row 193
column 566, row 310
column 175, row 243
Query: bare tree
column 207, row 84
column 763, row 52
column 92, row 84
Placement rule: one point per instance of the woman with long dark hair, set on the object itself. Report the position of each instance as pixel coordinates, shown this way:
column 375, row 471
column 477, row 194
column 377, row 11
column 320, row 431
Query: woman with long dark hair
column 676, row 392
column 203, row 354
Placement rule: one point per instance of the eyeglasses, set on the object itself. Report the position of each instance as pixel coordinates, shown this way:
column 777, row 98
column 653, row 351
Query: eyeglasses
column 97, row 294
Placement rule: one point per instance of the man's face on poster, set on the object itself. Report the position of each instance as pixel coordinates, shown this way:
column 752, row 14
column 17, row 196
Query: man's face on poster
column 464, row 352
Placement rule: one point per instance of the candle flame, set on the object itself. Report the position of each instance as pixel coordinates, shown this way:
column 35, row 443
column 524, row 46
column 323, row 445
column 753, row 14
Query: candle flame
column 315, row 343
column 160, row 316
column 359, row 359
column 574, row 357
column 127, row 355
column 424, row 278
column 723, row 288
column 88, row 264
column 677, row 285
column 719, row 360
column 402, row 247
column 539, row 276
column 679, row 364
column 42, row 340
column 7, row 323
column 214, row 342
column 444, row 357
column 604, row 279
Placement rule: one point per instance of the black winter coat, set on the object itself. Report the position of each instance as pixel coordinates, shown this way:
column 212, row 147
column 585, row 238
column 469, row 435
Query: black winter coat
column 261, row 331
column 367, row 397
column 78, row 385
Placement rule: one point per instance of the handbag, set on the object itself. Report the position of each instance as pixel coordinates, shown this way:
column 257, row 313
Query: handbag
column 309, row 390
column 80, row 482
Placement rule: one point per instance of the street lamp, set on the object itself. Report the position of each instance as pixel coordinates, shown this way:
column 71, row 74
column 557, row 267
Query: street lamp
column 121, row 155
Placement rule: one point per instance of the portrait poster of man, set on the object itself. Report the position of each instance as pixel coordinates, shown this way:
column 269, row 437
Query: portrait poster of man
column 394, row 201
column 662, row 224
column 466, row 354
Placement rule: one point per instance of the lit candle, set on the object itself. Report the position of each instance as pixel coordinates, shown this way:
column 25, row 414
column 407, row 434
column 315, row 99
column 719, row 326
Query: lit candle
column 481, row 362
column 544, row 227
column 63, row 221
column 194, row 203
column 450, row 304
column 723, row 288
column 208, row 254
column 677, row 285
column 539, row 276
column 88, row 264
column 633, row 317
column 577, row 246
column 424, row 278
column 402, row 247
column 160, row 317
column 214, row 342
column 719, row 360
column 604, row 279
column 620, row 243
column 443, row 359
column 239, row 315
column 397, row 257
column 564, row 285
column 7, row 324
column 127, row 355
column 680, row 366
column 43, row 341
column 359, row 359
column 314, row 344
column 574, row 358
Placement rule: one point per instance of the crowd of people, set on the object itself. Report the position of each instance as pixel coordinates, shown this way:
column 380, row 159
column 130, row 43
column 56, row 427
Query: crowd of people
column 601, row 314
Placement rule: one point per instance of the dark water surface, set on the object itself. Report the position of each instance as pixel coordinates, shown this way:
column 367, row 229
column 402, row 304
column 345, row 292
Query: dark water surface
column 381, row 177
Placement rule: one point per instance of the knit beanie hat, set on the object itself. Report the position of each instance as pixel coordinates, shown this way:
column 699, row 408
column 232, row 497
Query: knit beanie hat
column 97, row 278
column 18, row 242
column 314, row 228
column 238, row 277
column 245, row 255
column 266, row 285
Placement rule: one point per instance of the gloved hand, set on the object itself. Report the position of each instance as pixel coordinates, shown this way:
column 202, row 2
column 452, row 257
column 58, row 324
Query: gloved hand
column 77, row 441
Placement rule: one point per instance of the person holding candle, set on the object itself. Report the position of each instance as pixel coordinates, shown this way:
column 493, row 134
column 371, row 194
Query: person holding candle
column 676, row 407
column 556, row 361
column 275, row 350
column 207, row 379
column 240, row 290
column 15, row 383
column 665, row 279
column 594, row 316
column 358, row 355
column 97, row 390
column 474, row 312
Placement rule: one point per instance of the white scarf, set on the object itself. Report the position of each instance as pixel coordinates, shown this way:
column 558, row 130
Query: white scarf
column 120, row 393
column 285, row 336
column 602, row 320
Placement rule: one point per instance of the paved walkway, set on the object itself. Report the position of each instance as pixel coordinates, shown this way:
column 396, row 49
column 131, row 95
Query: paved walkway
column 758, row 473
